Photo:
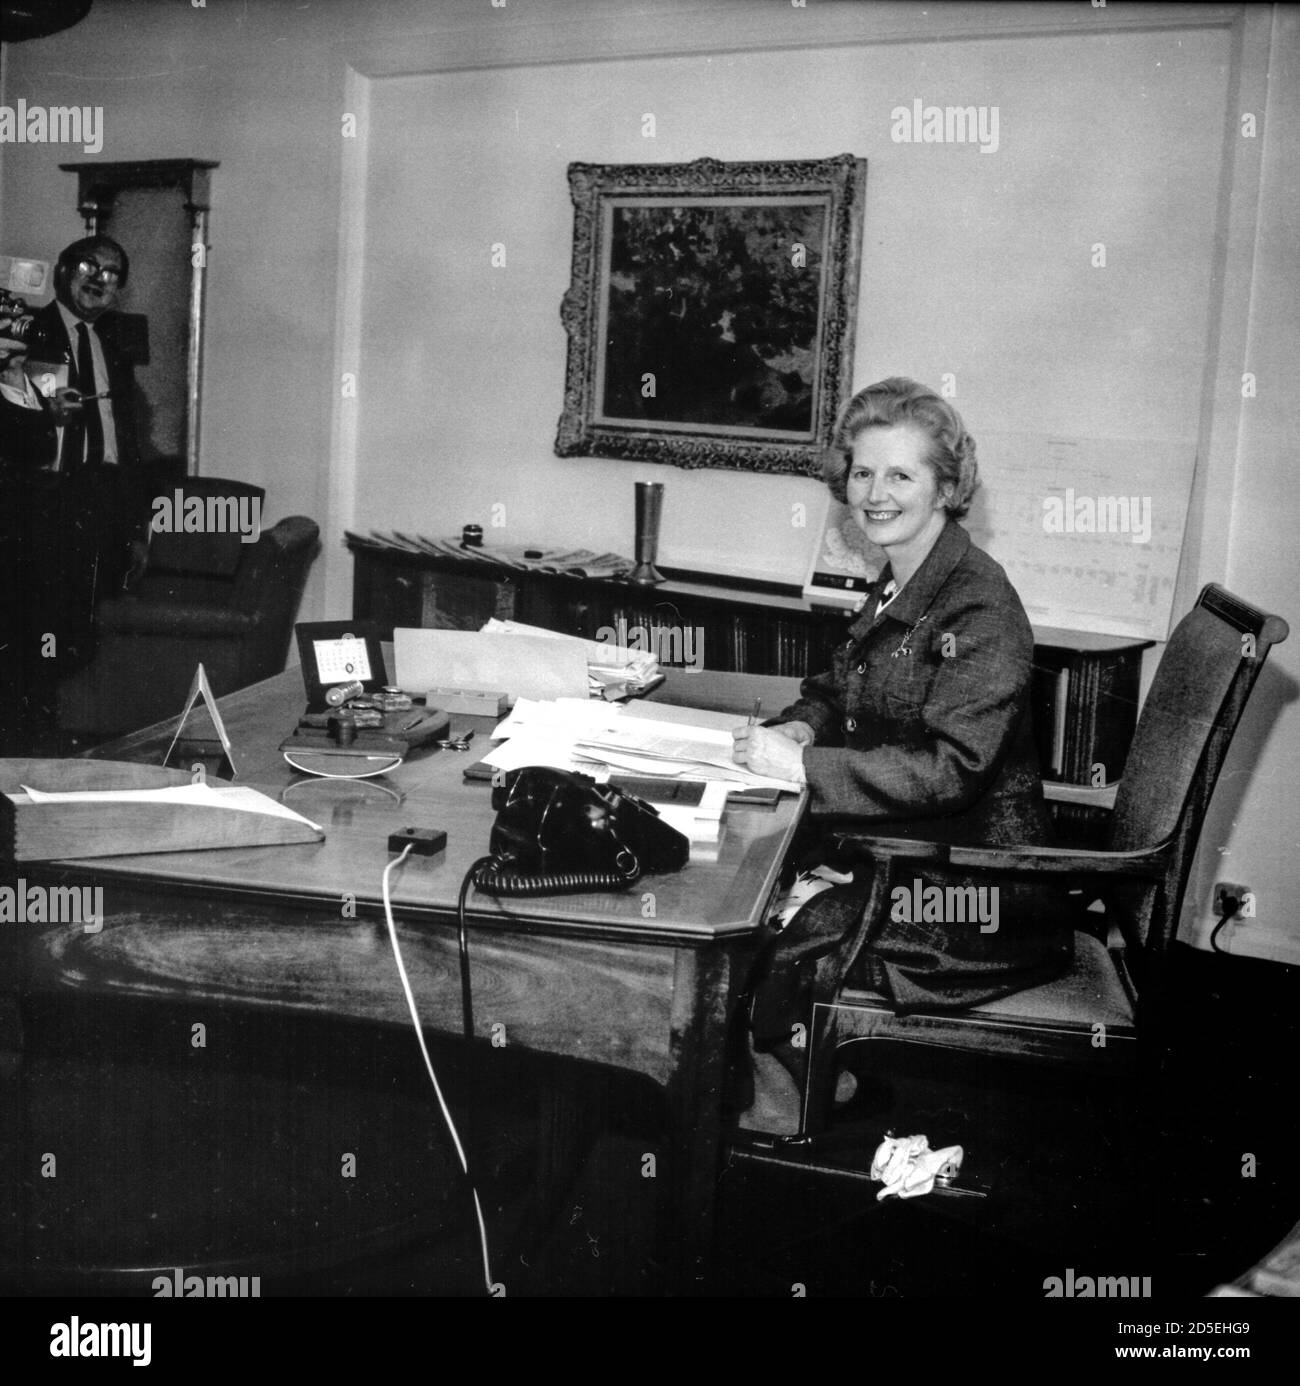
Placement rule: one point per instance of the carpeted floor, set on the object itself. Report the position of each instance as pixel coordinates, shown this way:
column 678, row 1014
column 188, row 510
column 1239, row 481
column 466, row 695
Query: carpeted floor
column 313, row 1156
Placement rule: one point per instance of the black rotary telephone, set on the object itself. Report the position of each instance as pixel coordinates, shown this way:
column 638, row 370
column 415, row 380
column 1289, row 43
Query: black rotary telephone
column 556, row 831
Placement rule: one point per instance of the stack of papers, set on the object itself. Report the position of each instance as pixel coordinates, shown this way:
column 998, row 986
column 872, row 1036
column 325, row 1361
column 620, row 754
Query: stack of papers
column 613, row 671
column 700, row 821
column 582, row 735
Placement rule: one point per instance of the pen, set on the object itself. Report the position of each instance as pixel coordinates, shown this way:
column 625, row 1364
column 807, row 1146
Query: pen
column 753, row 716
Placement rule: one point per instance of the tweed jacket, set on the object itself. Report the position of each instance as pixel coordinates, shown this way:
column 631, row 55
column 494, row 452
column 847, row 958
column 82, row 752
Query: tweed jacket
column 923, row 730
column 925, row 712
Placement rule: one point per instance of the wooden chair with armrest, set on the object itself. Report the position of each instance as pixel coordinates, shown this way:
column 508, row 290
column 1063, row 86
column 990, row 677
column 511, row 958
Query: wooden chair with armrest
column 1200, row 690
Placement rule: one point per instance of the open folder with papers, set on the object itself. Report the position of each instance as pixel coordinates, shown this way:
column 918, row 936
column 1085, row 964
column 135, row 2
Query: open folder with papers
column 571, row 734
column 613, row 671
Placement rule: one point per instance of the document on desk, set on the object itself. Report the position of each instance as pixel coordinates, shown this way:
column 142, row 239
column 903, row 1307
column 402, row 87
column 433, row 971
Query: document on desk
column 544, row 731
column 612, row 670
column 558, row 716
column 701, row 752
column 584, row 735
column 522, row 666
column 557, row 752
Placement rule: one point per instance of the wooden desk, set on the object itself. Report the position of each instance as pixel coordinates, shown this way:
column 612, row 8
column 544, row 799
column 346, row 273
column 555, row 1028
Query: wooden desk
column 643, row 981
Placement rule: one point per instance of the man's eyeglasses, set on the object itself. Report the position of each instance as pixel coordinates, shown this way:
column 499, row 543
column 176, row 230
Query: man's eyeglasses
column 112, row 274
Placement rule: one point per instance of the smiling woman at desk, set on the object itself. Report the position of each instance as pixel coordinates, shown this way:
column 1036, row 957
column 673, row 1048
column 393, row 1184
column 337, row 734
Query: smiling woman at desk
column 921, row 729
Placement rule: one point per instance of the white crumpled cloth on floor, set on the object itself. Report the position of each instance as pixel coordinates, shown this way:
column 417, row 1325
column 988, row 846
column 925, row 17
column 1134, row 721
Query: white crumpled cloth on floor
column 908, row 1167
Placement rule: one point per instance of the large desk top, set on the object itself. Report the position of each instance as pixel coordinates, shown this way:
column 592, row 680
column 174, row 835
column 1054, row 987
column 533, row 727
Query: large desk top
column 612, row 979
column 703, row 902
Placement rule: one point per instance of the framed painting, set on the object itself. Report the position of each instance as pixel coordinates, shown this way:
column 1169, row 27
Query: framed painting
column 711, row 311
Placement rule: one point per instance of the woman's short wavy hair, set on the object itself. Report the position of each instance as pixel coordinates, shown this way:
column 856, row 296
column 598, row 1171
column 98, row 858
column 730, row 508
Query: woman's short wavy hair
column 896, row 401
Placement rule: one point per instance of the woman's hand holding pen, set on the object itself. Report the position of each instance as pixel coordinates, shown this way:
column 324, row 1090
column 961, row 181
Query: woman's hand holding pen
column 775, row 751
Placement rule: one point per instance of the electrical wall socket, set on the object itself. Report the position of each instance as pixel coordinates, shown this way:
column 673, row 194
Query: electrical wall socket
column 1223, row 888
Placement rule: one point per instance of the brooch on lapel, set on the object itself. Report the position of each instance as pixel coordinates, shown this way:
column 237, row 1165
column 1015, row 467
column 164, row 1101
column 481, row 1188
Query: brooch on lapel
column 905, row 647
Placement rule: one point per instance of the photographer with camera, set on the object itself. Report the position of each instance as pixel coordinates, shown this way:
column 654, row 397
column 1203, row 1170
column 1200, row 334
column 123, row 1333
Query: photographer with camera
column 79, row 510
column 27, row 429
column 95, row 409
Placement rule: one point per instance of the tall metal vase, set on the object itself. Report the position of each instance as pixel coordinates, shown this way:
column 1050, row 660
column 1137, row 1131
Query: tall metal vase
column 649, row 508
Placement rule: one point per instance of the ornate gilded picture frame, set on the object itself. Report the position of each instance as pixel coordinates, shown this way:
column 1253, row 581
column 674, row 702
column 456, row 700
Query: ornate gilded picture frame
column 711, row 310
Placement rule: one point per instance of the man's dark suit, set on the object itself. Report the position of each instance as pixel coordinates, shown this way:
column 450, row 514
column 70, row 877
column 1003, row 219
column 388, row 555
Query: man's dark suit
column 50, row 342
column 83, row 518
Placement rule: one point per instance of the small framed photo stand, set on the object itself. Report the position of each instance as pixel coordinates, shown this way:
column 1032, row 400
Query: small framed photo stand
column 335, row 653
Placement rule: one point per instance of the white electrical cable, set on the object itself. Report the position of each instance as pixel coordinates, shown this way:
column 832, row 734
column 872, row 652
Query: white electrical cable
column 428, row 1063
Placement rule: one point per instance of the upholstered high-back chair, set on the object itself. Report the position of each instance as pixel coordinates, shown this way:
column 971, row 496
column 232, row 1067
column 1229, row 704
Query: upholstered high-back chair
column 207, row 597
column 1113, row 989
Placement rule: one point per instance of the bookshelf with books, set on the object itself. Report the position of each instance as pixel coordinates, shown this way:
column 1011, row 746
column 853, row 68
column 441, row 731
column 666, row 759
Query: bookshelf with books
column 1085, row 685
column 1085, row 703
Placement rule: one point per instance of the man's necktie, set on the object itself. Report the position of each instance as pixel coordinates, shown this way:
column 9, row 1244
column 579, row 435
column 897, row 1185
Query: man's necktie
column 91, row 421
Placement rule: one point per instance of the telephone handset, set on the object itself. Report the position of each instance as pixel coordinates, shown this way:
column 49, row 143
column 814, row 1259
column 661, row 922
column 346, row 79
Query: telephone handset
column 558, row 831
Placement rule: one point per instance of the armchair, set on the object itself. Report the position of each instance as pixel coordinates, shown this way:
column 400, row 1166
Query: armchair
column 1103, row 1013
column 206, row 598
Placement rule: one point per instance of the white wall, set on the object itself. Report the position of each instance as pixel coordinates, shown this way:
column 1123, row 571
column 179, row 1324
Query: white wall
column 372, row 253
column 975, row 265
column 1252, row 832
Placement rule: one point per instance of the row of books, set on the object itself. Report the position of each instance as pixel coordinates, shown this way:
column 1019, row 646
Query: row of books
column 680, row 628
column 522, row 557
column 740, row 643
column 1084, row 712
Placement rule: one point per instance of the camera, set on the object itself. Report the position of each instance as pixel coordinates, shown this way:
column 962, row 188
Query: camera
column 16, row 318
